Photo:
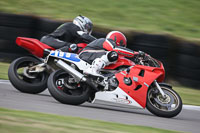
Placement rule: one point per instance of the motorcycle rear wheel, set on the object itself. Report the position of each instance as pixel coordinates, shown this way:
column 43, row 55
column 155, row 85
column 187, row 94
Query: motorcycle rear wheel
column 168, row 107
column 65, row 92
column 32, row 84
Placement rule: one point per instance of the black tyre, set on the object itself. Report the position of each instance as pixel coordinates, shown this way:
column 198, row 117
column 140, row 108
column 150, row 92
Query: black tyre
column 169, row 107
column 32, row 84
column 65, row 92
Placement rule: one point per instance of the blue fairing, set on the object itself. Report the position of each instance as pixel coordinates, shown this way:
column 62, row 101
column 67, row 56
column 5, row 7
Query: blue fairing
column 65, row 55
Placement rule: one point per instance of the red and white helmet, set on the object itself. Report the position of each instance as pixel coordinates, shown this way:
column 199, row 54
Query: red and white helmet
column 118, row 37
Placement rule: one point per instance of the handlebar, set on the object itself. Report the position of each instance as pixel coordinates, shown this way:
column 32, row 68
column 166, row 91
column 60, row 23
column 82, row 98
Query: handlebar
column 146, row 60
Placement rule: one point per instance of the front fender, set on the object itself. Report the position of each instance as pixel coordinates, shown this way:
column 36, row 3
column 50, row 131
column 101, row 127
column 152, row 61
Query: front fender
column 165, row 84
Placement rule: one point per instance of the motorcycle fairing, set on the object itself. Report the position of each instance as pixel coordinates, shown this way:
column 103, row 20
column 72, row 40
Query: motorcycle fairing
column 116, row 96
column 34, row 46
column 70, row 57
column 81, row 46
column 122, row 61
column 65, row 55
column 82, row 65
column 141, row 77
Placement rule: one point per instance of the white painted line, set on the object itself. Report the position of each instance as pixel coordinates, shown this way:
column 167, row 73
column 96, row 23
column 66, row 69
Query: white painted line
column 5, row 82
column 191, row 107
column 1, row 80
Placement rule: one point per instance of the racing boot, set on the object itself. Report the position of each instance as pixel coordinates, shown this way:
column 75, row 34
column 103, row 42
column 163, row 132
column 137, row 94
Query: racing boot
column 96, row 66
column 100, row 63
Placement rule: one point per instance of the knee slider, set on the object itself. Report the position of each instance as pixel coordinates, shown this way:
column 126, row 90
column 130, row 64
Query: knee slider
column 112, row 56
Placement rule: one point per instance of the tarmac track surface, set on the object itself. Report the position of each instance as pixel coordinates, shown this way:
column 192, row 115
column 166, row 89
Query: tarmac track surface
column 188, row 120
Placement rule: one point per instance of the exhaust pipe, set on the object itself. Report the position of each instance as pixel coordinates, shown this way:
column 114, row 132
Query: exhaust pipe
column 77, row 75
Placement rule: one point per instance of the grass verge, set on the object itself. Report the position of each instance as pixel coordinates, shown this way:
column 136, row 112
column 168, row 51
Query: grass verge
column 178, row 17
column 4, row 70
column 25, row 121
column 189, row 96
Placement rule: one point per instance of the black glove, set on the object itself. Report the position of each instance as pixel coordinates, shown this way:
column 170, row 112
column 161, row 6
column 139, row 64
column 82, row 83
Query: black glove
column 86, row 37
column 141, row 54
column 73, row 47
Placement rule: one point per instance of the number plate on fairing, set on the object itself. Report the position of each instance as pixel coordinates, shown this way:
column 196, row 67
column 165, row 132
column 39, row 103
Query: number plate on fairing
column 65, row 55
column 70, row 57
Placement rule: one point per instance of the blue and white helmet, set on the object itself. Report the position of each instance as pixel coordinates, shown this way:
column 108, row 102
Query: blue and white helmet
column 84, row 23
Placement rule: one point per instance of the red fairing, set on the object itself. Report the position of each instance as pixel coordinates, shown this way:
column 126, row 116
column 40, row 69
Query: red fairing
column 34, row 46
column 162, row 69
column 120, row 62
column 140, row 82
column 81, row 46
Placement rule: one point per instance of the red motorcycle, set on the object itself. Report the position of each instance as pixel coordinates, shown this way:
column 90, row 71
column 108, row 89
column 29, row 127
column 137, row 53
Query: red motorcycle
column 137, row 82
column 29, row 74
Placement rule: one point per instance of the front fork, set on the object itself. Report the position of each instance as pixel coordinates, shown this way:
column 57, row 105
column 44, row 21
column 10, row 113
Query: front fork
column 159, row 89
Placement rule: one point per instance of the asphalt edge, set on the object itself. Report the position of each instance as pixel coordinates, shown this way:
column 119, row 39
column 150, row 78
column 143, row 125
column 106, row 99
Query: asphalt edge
column 187, row 107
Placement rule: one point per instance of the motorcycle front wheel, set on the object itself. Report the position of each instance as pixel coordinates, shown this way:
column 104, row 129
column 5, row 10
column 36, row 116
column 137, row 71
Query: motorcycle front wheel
column 170, row 106
column 64, row 88
column 24, row 81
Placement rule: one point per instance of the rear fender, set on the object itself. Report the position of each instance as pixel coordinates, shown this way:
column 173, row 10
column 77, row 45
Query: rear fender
column 34, row 46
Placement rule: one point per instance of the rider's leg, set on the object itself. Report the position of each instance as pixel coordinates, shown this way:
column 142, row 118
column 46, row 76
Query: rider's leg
column 99, row 63
column 53, row 42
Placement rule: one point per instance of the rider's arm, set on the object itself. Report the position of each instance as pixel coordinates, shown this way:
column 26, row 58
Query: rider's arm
column 124, row 51
column 110, row 45
column 56, row 38
column 86, row 37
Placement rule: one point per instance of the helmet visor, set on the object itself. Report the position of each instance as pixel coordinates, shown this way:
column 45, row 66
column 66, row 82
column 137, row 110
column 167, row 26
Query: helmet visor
column 122, row 43
column 89, row 27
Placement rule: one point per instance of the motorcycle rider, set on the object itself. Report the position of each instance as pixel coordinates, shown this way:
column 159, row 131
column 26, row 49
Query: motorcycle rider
column 105, row 51
column 67, row 35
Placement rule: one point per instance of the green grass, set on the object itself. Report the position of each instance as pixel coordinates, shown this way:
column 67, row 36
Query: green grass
column 25, row 121
column 4, row 70
column 188, row 95
column 178, row 17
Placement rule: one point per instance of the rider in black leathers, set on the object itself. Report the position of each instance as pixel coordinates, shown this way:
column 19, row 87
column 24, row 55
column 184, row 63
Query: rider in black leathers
column 67, row 35
column 105, row 51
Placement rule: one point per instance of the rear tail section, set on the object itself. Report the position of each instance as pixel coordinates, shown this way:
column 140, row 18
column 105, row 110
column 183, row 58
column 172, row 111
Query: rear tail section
column 34, row 46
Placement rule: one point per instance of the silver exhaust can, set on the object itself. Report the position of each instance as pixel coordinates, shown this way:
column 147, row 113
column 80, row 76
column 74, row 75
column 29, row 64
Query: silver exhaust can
column 77, row 75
